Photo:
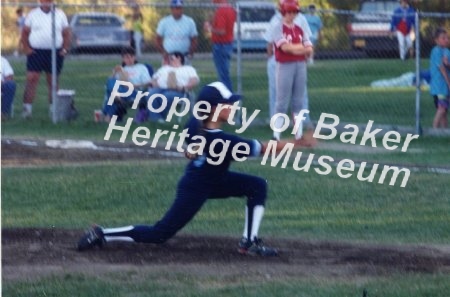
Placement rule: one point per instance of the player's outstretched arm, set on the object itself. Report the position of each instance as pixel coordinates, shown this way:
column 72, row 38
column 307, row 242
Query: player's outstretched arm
column 282, row 143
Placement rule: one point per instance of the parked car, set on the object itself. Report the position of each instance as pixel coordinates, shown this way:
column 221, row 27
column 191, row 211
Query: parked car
column 369, row 29
column 98, row 31
column 254, row 21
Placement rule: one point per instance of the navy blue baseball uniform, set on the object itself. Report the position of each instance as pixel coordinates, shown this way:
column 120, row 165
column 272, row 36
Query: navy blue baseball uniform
column 202, row 181
column 205, row 177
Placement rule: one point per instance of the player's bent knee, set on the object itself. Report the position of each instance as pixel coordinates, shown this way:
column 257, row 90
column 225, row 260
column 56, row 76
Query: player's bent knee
column 257, row 191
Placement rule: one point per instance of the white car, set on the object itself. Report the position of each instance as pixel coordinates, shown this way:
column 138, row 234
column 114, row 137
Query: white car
column 369, row 29
column 99, row 31
column 254, row 21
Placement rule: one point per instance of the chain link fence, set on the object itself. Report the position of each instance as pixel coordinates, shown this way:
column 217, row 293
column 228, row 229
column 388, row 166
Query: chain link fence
column 350, row 77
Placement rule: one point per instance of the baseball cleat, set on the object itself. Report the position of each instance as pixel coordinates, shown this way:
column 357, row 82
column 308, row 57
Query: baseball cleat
column 255, row 248
column 91, row 238
column 244, row 245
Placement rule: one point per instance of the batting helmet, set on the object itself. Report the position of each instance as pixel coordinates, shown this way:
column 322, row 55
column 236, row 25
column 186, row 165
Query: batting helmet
column 288, row 6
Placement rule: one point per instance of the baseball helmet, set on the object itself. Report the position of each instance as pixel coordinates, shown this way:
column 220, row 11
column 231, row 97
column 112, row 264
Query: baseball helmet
column 289, row 5
column 217, row 93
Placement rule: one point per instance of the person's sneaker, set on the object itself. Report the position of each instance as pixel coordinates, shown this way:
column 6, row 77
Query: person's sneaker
column 244, row 245
column 256, row 248
column 91, row 238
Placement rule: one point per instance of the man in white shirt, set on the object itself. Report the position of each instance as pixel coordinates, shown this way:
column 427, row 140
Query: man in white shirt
column 176, row 32
column 8, row 89
column 37, row 45
column 172, row 80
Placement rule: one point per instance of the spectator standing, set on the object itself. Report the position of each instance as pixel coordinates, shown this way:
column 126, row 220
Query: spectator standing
column 300, row 21
column 403, row 20
column 292, row 48
column 137, row 31
column 176, row 32
column 20, row 23
column 315, row 24
column 440, row 78
column 8, row 89
column 37, row 43
column 222, row 36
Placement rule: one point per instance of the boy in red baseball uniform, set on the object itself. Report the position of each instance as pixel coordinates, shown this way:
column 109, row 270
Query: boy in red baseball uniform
column 292, row 48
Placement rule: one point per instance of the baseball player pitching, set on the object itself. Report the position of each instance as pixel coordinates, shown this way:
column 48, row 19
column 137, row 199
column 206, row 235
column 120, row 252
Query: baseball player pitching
column 202, row 181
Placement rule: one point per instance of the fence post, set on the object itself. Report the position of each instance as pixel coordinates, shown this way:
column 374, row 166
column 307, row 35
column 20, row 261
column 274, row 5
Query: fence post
column 238, row 58
column 418, row 80
column 54, row 74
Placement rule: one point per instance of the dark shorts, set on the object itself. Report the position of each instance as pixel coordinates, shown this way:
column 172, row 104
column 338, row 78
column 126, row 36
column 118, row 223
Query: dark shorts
column 41, row 60
column 441, row 102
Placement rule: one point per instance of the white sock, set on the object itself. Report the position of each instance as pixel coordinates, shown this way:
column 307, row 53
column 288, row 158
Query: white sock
column 107, row 231
column 278, row 124
column 298, row 124
column 28, row 107
column 244, row 234
column 299, row 132
column 258, row 213
column 118, row 238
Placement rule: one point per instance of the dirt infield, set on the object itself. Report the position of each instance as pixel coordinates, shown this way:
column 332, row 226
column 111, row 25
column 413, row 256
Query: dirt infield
column 30, row 253
column 26, row 251
column 19, row 152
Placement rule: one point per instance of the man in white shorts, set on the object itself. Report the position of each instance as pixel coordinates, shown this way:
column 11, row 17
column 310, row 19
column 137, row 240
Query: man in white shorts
column 37, row 45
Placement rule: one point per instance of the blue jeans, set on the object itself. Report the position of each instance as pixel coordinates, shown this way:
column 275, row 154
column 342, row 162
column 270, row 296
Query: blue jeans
column 8, row 93
column 115, row 109
column 222, row 56
column 157, row 102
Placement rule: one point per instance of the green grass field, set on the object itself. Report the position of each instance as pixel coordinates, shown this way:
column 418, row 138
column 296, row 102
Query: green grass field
column 339, row 87
column 156, row 284
column 301, row 205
